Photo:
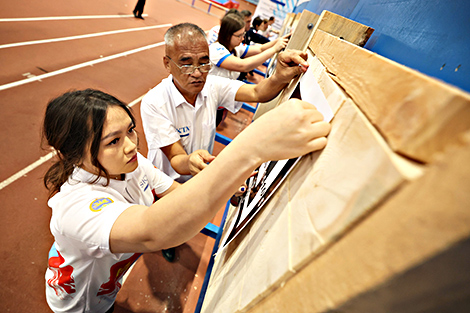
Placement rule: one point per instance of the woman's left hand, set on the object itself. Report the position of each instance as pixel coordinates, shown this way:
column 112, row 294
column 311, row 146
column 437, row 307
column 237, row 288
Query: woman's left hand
column 281, row 43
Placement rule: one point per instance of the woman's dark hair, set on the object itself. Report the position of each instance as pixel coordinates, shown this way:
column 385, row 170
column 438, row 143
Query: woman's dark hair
column 73, row 122
column 257, row 21
column 230, row 24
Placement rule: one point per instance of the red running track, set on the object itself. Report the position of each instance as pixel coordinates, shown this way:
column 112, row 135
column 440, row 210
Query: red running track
column 90, row 62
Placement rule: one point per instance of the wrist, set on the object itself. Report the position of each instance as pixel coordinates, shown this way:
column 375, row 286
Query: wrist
column 278, row 80
column 181, row 164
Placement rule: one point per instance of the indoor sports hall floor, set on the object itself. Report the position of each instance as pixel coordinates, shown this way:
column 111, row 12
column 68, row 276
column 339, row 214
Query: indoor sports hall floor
column 49, row 47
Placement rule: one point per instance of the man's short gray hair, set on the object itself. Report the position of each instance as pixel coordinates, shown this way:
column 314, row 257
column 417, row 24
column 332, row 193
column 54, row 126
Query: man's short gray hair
column 245, row 13
column 182, row 30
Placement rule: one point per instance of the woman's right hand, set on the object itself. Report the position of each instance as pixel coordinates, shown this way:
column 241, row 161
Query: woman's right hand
column 290, row 130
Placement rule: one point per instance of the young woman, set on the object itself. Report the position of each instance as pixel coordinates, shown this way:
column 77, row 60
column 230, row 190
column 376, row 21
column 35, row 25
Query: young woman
column 102, row 190
column 229, row 57
column 255, row 34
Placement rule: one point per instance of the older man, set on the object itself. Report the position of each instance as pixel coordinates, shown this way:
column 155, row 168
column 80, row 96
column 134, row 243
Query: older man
column 179, row 114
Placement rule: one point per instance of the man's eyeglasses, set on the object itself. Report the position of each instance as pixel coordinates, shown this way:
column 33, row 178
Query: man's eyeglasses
column 240, row 36
column 189, row 69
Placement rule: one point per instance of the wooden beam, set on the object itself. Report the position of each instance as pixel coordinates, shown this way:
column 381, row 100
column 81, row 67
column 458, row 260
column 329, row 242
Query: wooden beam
column 418, row 115
column 344, row 28
column 285, row 29
column 419, row 237
column 286, row 24
column 308, row 24
column 324, row 196
column 299, row 41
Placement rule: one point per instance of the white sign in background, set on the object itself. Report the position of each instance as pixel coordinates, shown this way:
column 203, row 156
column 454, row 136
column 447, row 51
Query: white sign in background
column 276, row 8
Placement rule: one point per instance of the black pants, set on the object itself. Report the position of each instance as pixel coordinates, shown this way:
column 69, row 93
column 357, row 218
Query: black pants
column 139, row 8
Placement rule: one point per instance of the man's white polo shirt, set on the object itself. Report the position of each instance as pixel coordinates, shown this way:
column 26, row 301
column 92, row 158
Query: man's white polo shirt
column 167, row 117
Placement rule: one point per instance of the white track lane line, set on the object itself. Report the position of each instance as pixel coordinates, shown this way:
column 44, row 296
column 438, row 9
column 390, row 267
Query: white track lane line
column 35, row 42
column 78, row 66
column 43, row 159
column 26, row 170
column 61, row 18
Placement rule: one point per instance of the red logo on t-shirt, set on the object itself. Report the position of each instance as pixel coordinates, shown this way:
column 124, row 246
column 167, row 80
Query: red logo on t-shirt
column 117, row 271
column 62, row 282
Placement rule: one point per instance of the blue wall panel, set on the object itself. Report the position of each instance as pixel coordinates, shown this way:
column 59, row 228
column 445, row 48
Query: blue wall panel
column 431, row 36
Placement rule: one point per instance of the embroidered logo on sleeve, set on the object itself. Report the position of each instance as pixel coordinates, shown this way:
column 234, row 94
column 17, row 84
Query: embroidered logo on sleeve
column 100, row 203
column 183, row 131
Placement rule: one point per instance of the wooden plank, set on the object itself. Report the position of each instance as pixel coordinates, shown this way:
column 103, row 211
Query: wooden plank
column 322, row 198
column 344, row 28
column 302, row 31
column 286, row 24
column 329, row 22
column 335, row 24
column 418, row 115
column 416, row 233
column 299, row 41
column 296, row 20
column 285, row 29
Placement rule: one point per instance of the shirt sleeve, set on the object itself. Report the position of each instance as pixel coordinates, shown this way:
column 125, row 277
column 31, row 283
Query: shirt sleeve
column 242, row 50
column 159, row 181
column 86, row 221
column 213, row 34
column 158, row 127
column 226, row 91
column 218, row 53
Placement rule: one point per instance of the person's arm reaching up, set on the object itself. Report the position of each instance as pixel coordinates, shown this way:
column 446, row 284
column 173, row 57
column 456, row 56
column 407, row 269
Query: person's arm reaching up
column 254, row 57
column 290, row 130
column 291, row 63
column 280, row 42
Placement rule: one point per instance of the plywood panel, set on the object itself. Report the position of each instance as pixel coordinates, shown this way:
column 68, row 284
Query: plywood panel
column 418, row 115
column 332, row 189
column 425, row 221
column 231, row 288
column 226, row 281
column 269, row 233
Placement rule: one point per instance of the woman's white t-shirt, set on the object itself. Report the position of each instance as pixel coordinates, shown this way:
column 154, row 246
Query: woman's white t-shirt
column 218, row 53
column 83, row 275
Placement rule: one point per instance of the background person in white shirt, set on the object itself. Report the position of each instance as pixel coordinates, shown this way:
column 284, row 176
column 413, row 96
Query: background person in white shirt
column 230, row 57
column 213, row 33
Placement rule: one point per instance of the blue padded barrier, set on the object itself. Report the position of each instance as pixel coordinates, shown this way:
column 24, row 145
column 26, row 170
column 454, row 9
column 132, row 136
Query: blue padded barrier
column 211, row 261
column 222, row 139
column 248, row 107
